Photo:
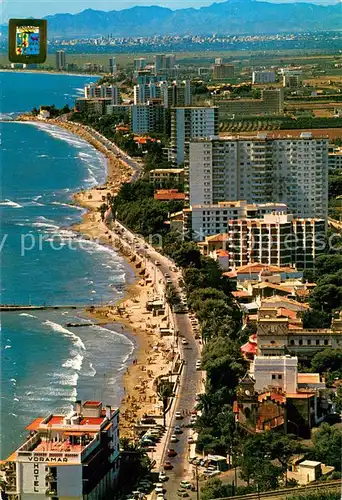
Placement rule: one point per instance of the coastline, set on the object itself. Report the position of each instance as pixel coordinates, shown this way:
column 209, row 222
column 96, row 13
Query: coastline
column 152, row 355
column 51, row 72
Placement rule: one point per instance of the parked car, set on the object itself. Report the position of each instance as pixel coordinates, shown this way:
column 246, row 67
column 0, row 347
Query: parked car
column 157, row 263
column 159, row 488
column 171, row 453
column 190, row 440
column 162, row 477
column 167, row 465
column 184, row 342
column 178, row 415
column 185, row 484
column 174, row 438
column 178, row 430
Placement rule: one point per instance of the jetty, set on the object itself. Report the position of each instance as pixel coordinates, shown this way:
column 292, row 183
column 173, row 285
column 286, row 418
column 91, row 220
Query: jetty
column 14, row 307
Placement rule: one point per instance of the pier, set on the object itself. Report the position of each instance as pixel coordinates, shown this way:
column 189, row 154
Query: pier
column 13, row 307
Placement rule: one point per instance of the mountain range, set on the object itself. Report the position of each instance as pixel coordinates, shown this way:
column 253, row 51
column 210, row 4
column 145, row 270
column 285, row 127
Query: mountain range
column 232, row 17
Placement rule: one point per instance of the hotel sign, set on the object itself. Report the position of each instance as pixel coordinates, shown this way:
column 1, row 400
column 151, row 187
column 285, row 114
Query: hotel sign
column 53, row 460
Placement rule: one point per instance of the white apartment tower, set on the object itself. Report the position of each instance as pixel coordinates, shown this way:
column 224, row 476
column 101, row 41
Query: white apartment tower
column 188, row 123
column 112, row 65
column 171, row 93
column 290, row 170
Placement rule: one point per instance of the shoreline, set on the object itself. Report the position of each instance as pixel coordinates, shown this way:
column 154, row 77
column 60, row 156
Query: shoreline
column 47, row 72
column 153, row 355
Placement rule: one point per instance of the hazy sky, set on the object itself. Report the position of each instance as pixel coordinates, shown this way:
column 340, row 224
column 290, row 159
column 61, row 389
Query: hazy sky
column 40, row 8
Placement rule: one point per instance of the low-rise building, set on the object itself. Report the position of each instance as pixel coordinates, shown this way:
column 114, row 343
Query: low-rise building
column 168, row 195
column 166, row 176
column 276, row 336
column 96, row 105
column 335, row 159
column 271, row 103
column 70, row 457
column 292, row 79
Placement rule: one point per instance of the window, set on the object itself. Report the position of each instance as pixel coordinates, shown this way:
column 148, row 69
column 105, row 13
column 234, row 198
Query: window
column 273, row 377
column 325, row 342
column 309, row 342
column 292, row 342
column 280, row 377
column 317, row 342
column 300, row 342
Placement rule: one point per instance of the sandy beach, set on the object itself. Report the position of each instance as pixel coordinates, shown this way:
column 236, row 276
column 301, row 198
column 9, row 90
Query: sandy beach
column 153, row 355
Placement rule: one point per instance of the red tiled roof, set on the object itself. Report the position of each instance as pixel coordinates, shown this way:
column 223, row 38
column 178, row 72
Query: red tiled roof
column 249, row 348
column 280, row 398
column 241, row 293
column 168, row 194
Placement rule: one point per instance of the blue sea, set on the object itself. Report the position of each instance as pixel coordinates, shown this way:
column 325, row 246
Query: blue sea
column 46, row 365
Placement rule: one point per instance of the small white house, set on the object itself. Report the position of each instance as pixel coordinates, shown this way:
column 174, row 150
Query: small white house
column 44, row 114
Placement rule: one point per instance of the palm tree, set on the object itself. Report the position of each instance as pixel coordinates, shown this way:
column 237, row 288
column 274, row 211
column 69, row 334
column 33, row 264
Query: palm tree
column 164, row 392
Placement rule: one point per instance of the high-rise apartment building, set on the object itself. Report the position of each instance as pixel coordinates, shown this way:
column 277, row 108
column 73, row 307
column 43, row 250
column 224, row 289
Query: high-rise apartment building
column 172, row 94
column 187, row 123
column 60, row 60
column 263, row 77
column 275, row 239
column 164, row 63
column 261, row 169
column 75, row 456
column 139, row 63
column 223, row 71
column 94, row 91
column 149, row 117
column 112, row 65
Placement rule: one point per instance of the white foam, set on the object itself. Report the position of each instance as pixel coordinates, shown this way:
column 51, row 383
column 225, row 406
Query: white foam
column 59, row 328
column 8, row 347
column 9, row 203
column 26, row 315
column 75, row 362
column 44, row 225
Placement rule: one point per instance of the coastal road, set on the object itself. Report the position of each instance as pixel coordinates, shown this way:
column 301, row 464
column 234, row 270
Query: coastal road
column 191, row 379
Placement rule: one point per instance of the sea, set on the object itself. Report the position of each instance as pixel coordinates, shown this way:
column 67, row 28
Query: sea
column 46, row 365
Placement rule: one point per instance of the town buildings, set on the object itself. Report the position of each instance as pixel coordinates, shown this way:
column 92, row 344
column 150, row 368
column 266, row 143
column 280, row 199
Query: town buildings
column 164, row 63
column 149, row 117
column 260, row 169
column 292, row 79
column 203, row 220
column 335, row 159
column 223, row 71
column 271, row 103
column 276, row 336
column 67, row 457
column 105, row 91
column 112, row 65
column 188, row 123
column 171, row 93
column 263, row 77
column 165, row 177
column 275, row 239
column 60, row 60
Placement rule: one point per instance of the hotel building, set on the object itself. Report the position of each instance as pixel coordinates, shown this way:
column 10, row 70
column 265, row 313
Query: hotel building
column 263, row 77
column 149, row 117
column 261, row 169
column 94, row 91
column 188, row 123
column 172, row 94
column 74, row 457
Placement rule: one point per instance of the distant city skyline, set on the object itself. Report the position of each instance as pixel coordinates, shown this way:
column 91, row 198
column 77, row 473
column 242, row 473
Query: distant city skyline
column 42, row 8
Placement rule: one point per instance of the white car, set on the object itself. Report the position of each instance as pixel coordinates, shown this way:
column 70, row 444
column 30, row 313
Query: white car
column 174, row 438
column 162, row 476
column 159, row 488
column 190, row 440
column 198, row 364
column 178, row 415
column 184, row 342
column 160, row 496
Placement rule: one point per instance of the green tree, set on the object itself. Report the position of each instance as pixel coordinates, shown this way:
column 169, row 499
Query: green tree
column 328, row 361
column 314, row 318
column 327, row 442
column 326, row 297
column 213, row 488
column 164, row 393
